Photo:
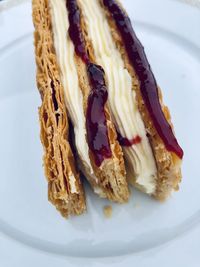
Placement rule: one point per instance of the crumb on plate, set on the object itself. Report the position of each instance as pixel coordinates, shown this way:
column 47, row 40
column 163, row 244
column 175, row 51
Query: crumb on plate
column 107, row 210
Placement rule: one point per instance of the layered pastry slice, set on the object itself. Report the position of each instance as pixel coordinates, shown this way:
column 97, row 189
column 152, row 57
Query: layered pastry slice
column 64, row 185
column 145, row 131
column 85, row 92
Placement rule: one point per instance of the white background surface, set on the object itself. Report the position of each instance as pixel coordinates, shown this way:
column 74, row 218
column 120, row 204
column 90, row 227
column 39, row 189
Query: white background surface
column 143, row 232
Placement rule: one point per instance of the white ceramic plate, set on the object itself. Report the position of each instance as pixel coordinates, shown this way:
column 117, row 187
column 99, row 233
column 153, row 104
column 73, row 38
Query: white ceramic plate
column 143, row 232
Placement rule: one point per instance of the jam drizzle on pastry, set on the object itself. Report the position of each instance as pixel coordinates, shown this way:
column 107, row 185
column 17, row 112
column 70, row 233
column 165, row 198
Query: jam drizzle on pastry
column 148, row 85
column 96, row 122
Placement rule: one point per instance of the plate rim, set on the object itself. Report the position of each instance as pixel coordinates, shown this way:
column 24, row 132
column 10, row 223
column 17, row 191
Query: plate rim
column 25, row 1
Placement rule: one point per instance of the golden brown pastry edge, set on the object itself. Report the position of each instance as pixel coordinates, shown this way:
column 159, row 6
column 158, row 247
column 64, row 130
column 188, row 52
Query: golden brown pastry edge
column 58, row 159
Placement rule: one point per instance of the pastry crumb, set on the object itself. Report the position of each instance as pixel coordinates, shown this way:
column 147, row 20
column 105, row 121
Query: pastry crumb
column 107, row 210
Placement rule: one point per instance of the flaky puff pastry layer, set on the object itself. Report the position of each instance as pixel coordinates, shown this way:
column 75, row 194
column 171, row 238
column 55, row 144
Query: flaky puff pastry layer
column 168, row 164
column 64, row 186
column 108, row 179
column 111, row 175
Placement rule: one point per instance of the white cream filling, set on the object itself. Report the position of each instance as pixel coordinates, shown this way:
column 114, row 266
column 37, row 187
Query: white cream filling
column 72, row 182
column 122, row 99
column 69, row 78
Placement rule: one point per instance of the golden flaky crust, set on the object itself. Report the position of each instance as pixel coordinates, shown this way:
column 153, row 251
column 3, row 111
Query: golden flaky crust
column 111, row 175
column 59, row 163
column 168, row 164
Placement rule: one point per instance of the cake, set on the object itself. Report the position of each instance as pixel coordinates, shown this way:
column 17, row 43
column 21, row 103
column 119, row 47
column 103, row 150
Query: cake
column 93, row 71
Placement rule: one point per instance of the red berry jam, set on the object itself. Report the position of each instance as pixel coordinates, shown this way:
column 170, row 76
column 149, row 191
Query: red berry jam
column 96, row 126
column 148, row 85
column 97, row 131
column 75, row 31
column 128, row 143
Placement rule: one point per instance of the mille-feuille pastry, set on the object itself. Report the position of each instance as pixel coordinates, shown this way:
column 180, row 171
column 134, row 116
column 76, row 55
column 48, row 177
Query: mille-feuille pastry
column 143, row 122
column 64, row 186
column 85, row 92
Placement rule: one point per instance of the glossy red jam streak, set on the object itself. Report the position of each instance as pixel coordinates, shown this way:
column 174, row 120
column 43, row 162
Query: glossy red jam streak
column 148, row 85
column 97, row 131
column 75, row 32
column 128, row 143
column 96, row 126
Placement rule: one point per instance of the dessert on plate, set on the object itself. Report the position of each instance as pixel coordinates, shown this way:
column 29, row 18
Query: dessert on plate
column 92, row 70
